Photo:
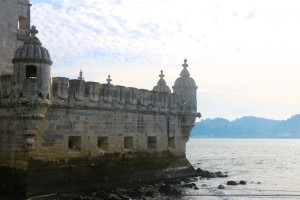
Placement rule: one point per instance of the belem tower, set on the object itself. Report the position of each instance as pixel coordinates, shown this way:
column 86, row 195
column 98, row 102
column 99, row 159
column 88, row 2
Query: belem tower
column 59, row 134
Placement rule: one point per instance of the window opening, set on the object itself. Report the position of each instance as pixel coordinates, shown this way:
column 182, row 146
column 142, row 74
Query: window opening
column 22, row 23
column 31, row 71
column 103, row 143
column 128, row 143
column 74, row 143
column 151, row 142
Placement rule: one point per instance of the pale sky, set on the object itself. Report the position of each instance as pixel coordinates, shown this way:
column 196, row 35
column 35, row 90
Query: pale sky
column 244, row 55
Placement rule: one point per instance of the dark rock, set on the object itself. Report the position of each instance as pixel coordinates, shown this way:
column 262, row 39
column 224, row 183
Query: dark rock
column 189, row 185
column 164, row 189
column 221, row 187
column 231, row 183
column 196, row 188
column 150, row 193
column 174, row 192
column 134, row 194
column 221, row 175
column 242, row 182
column 199, row 170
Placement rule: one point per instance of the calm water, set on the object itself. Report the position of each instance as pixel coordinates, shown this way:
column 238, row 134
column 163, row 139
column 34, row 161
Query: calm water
column 270, row 167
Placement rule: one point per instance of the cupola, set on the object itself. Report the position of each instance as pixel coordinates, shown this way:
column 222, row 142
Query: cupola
column 185, row 79
column 32, row 50
column 161, row 84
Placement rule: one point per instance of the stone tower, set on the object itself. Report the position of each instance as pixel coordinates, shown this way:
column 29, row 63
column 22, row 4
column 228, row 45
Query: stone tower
column 32, row 68
column 14, row 28
column 186, row 89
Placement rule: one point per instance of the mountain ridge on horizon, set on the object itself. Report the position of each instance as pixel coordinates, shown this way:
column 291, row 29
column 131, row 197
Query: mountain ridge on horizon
column 248, row 127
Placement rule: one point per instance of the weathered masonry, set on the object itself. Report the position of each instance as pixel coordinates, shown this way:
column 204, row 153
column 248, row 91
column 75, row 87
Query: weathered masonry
column 14, row 28
column 58, row 134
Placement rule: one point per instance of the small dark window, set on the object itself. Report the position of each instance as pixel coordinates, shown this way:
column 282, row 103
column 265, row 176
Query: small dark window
column 103, row 143
column 128, row 143
column 31, row 71
column 74, row 143
column 171, row 142
column 151, row 142
column 22, row 23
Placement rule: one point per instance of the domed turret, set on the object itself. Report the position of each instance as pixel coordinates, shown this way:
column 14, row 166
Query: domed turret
column 32, row 64
column 161, row 84
column 185, row 87
column 32, row 50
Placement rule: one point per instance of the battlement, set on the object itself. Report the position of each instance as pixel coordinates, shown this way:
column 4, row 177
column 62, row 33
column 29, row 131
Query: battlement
column 75, row 93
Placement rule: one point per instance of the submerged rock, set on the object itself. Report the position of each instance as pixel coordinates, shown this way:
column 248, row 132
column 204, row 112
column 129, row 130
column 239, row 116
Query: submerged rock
column 232, row 183
column 207, row 174
column 242, row 182
column 221, row 187
column 164, row 188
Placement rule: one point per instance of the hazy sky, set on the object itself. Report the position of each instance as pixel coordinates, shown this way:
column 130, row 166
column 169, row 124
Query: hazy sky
column 244, row 55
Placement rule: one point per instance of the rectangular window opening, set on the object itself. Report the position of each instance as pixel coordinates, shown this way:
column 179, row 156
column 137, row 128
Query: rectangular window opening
column 103, row 143
column 31, row 71
column 171, row 142
column 74, row 143
column 22, row 23
column 128, row 143
column 151, row 142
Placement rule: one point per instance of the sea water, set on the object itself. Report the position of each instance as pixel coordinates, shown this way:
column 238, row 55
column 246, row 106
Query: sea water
column 271, row 168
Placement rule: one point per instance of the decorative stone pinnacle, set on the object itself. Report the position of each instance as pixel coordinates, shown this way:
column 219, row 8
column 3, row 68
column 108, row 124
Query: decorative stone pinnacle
column 80, row 77
column 33, row 31
column 161, row 74
column 109, row 79
column 161, row 81
column 185, row 65
column 184, row 71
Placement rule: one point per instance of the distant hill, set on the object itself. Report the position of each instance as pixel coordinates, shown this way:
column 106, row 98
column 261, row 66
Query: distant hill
column 248, row 127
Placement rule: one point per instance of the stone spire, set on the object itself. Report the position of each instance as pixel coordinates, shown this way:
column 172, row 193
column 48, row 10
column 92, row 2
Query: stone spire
column 108, row 80
column 80, row 77
column 185, row 72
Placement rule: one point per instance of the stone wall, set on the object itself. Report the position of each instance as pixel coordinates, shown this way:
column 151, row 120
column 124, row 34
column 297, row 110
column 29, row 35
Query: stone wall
column 14, row 25
column 68, row 133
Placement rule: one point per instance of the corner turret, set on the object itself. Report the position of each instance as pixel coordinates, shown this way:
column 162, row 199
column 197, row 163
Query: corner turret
column 32, row 67
column 185, row 88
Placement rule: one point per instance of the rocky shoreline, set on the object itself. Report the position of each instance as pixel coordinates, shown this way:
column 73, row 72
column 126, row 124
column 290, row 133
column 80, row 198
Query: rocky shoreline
column 167, row 189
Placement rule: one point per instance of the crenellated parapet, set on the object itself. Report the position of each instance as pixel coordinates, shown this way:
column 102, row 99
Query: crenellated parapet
column 78, row 93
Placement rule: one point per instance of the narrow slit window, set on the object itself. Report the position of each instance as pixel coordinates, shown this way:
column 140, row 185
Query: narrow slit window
column 31, row 71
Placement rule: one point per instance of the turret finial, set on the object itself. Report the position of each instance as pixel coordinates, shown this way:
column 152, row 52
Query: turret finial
column 185, row 65
column 161, row 74
column 161, row 81
column 184, row 71
column 108, row 80
column 80, row 77
column 33, row 31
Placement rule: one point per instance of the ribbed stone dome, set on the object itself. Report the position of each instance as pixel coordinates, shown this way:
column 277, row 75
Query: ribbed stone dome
column 32, row 50
column 185, row 79
column 161, row 84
